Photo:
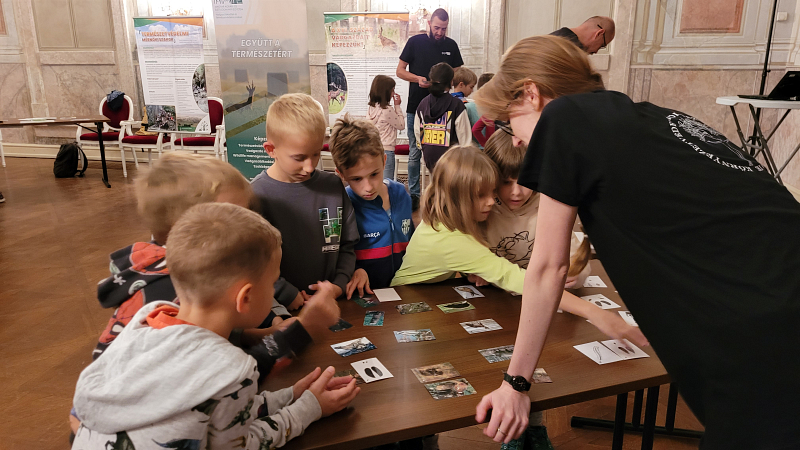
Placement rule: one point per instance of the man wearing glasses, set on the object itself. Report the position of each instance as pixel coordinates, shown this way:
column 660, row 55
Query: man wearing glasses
column 592, row 35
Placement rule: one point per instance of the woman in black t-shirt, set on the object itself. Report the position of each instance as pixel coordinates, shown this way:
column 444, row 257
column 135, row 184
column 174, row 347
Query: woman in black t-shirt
column 701, row 242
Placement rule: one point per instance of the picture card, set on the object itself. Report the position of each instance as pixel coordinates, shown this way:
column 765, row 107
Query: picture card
column 411, row 308
column 435, row 372
column 387, row 295
column 497, row 354
column 349, row 373
column 366, row 301
column 414, row 335
column 601, row 301
column 628, row 317
column 452, row 307
column 540, row 376
column 468, row 291
column 594, row 281
column 598, row 352
column 625, row 349
column 481, row 326
column 371, row 370
column 353, row 347
column 450, row 389
column 340, row 325
column 373, row 319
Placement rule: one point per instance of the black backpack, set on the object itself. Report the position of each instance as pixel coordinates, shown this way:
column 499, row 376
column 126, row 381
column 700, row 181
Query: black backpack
column 66, row 164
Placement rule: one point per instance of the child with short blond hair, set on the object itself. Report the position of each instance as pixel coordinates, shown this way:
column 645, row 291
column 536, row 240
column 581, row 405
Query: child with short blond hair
column 464, row 81
column 382, row 206
column 388, row 119
column 310, row 207
column 224, row 261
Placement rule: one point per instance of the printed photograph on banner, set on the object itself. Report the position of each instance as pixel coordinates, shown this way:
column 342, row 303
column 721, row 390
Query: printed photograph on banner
column 450, row 389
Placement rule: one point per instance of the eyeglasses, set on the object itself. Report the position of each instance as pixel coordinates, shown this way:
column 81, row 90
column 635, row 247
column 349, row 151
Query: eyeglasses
column 505, row 126
column 604, row 36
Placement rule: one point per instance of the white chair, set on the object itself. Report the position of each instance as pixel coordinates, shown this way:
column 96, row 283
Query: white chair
column 206, row 142
column 148, row 142
column 111, row 130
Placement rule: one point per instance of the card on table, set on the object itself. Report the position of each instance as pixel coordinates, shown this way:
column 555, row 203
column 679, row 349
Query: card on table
column 468, row 291
column 366, row 300
column 435, row 372
column 450, row 389
column 480, row 326
column 411, row 308
column 340, row 325
column 452, row 307
column 373, row 319
column 594, row 281
column 353, row 346
column 540, row 376
column 625, row 349
column 601, row 301
column 371, row 370
column 628, row 317
column 349, row 373
column 414, row 335
column 387, row 295
column 598, row 352
column 497, row 354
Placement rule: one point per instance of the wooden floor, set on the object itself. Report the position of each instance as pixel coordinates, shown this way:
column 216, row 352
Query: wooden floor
column 55, row 237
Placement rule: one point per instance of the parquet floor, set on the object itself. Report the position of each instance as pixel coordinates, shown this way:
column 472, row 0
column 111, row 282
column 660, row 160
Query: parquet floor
column 55, row 237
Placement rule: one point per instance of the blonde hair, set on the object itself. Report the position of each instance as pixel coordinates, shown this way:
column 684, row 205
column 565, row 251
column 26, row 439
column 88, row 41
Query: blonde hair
column 178, row 181
column 462, row 175
column 464, row 75
column 295, row 114
column 352, row 139
column 556, row 66
column 213, row 245
column 508, row 158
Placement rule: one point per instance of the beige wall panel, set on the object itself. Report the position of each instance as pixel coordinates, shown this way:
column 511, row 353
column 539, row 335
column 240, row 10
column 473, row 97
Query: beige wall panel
column 574, row 12
column 53, row 24
column 92, row 19
column 77, row 90
column 16, row 100
column 711, row 16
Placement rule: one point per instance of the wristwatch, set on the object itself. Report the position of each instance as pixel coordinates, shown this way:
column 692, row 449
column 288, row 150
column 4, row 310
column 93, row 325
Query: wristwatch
column 519, row 383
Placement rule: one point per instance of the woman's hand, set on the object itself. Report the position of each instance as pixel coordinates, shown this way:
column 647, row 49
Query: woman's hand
column 510, row 411
column 615, row 327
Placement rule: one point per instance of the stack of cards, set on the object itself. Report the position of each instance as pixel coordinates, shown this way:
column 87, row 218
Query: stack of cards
column 468, row 291
column 452, row 307
column 594, row 281
column 497, row 354
column 414, row 335
column 373, row 319
column 610, row 351
column 480, row 326
column 601, row 301
column 352, row 347
column 411, row 308
column 371, row 370
column 387, row 295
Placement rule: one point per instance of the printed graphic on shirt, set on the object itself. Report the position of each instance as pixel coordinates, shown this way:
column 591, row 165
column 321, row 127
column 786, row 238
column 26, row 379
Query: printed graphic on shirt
column 405, row 226
column 331, row 228
column 716, row 146
column 437, row 132
column 181, row 444
column 123, row 442
column 516, row 248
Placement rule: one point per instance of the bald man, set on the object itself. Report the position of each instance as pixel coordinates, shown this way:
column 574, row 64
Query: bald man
column 592, row 35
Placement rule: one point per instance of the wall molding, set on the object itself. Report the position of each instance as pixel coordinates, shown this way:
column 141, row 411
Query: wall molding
column 72, row 57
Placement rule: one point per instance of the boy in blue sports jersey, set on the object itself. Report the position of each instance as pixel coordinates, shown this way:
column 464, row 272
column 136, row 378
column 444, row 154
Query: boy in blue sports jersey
column 382, row 206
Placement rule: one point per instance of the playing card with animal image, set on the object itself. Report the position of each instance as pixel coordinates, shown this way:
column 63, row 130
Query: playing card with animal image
column 481, row 326
column 468, row 291
column 340, row 325
column 414, row 335
column 371, row 370
column 435, row 372
column 366, row 300
column 452, row 307
column 625, row 349
column 349, row 373
column 441, row 390
column 497, row 354
column 601, row 301
column 353, row 347
column 373, row 319
column 411, row 308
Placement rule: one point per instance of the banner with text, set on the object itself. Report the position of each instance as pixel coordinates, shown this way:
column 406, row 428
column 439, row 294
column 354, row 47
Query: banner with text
column 263, row 54
column 359, row 47
column 170, row 53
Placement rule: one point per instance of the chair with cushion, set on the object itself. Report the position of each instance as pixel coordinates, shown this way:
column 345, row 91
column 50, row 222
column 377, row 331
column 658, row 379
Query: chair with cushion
column 127, row 139
column 207, row 142
column 110, row 129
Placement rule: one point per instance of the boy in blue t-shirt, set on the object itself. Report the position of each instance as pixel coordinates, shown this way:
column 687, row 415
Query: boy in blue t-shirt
column 382, row 206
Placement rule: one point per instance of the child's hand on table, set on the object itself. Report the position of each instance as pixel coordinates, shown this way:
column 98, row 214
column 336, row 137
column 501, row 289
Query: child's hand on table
column 360, row 281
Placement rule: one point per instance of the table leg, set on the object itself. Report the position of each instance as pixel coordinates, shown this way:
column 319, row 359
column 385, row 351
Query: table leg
column 759, row 135
column 650, row 409
column 739, row 129
column 672, row 406
column 636, row 418
column 102, row 152
column 619, row 422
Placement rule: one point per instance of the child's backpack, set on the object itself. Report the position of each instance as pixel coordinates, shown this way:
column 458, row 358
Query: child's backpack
column 66, row 164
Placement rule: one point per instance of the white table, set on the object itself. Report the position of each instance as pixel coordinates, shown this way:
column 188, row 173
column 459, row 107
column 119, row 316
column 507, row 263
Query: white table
column 759, row 143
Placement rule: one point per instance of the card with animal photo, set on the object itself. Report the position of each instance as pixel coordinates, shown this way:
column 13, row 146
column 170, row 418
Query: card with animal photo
column 450, row 389
column 366, row 300
column 598, row 352
column 628, row 317
column 387, row 295
column 411, row 308
column 353, row 347
column 340, row 325
column 414, row 335
column 435, row 372
column 540, row 376
column 593, row 281
column 601, row 301
column 373, row 319
column 371, row 370
column 349, row 373
column 452, row 307
column 625, row 349
column 481, row 326
column 497, row 354
column 468, row 291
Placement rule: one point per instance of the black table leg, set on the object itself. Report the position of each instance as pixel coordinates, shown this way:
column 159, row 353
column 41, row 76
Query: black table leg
column 648, row 430
column 102, row 152
column 619, row 422
column 672, row 406
column 636, row 418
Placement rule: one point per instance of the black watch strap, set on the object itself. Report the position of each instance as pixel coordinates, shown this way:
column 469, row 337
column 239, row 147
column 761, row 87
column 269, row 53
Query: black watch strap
column 519, row 383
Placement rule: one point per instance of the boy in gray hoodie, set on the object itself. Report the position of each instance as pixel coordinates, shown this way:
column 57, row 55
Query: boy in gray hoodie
column 172, row 379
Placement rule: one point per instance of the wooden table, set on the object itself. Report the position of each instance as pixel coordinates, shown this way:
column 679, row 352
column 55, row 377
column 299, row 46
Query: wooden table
column 98, row 121
column 400, row 408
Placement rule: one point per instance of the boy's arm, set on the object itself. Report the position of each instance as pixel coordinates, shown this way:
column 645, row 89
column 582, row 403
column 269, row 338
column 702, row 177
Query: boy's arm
column 463, row 129
column 346, row 260
column 285, row 292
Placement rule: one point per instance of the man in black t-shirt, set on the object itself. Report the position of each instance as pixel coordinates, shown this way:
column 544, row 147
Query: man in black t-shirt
column 422, row 52
column 592, row 35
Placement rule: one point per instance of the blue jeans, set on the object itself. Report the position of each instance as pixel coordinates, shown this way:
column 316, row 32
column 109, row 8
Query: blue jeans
column 388, row 169
column 414, row 156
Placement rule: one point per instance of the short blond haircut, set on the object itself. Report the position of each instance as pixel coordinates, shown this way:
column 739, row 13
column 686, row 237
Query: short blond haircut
column 463, row 174
column 508, row 158
column 295, row 114
column 464, row 75
column 178, row 181
column 352, row 139
column 214, row 245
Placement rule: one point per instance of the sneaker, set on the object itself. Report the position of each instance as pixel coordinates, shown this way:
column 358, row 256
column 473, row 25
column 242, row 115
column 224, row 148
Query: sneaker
column 2, row 199
column 536, row 439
